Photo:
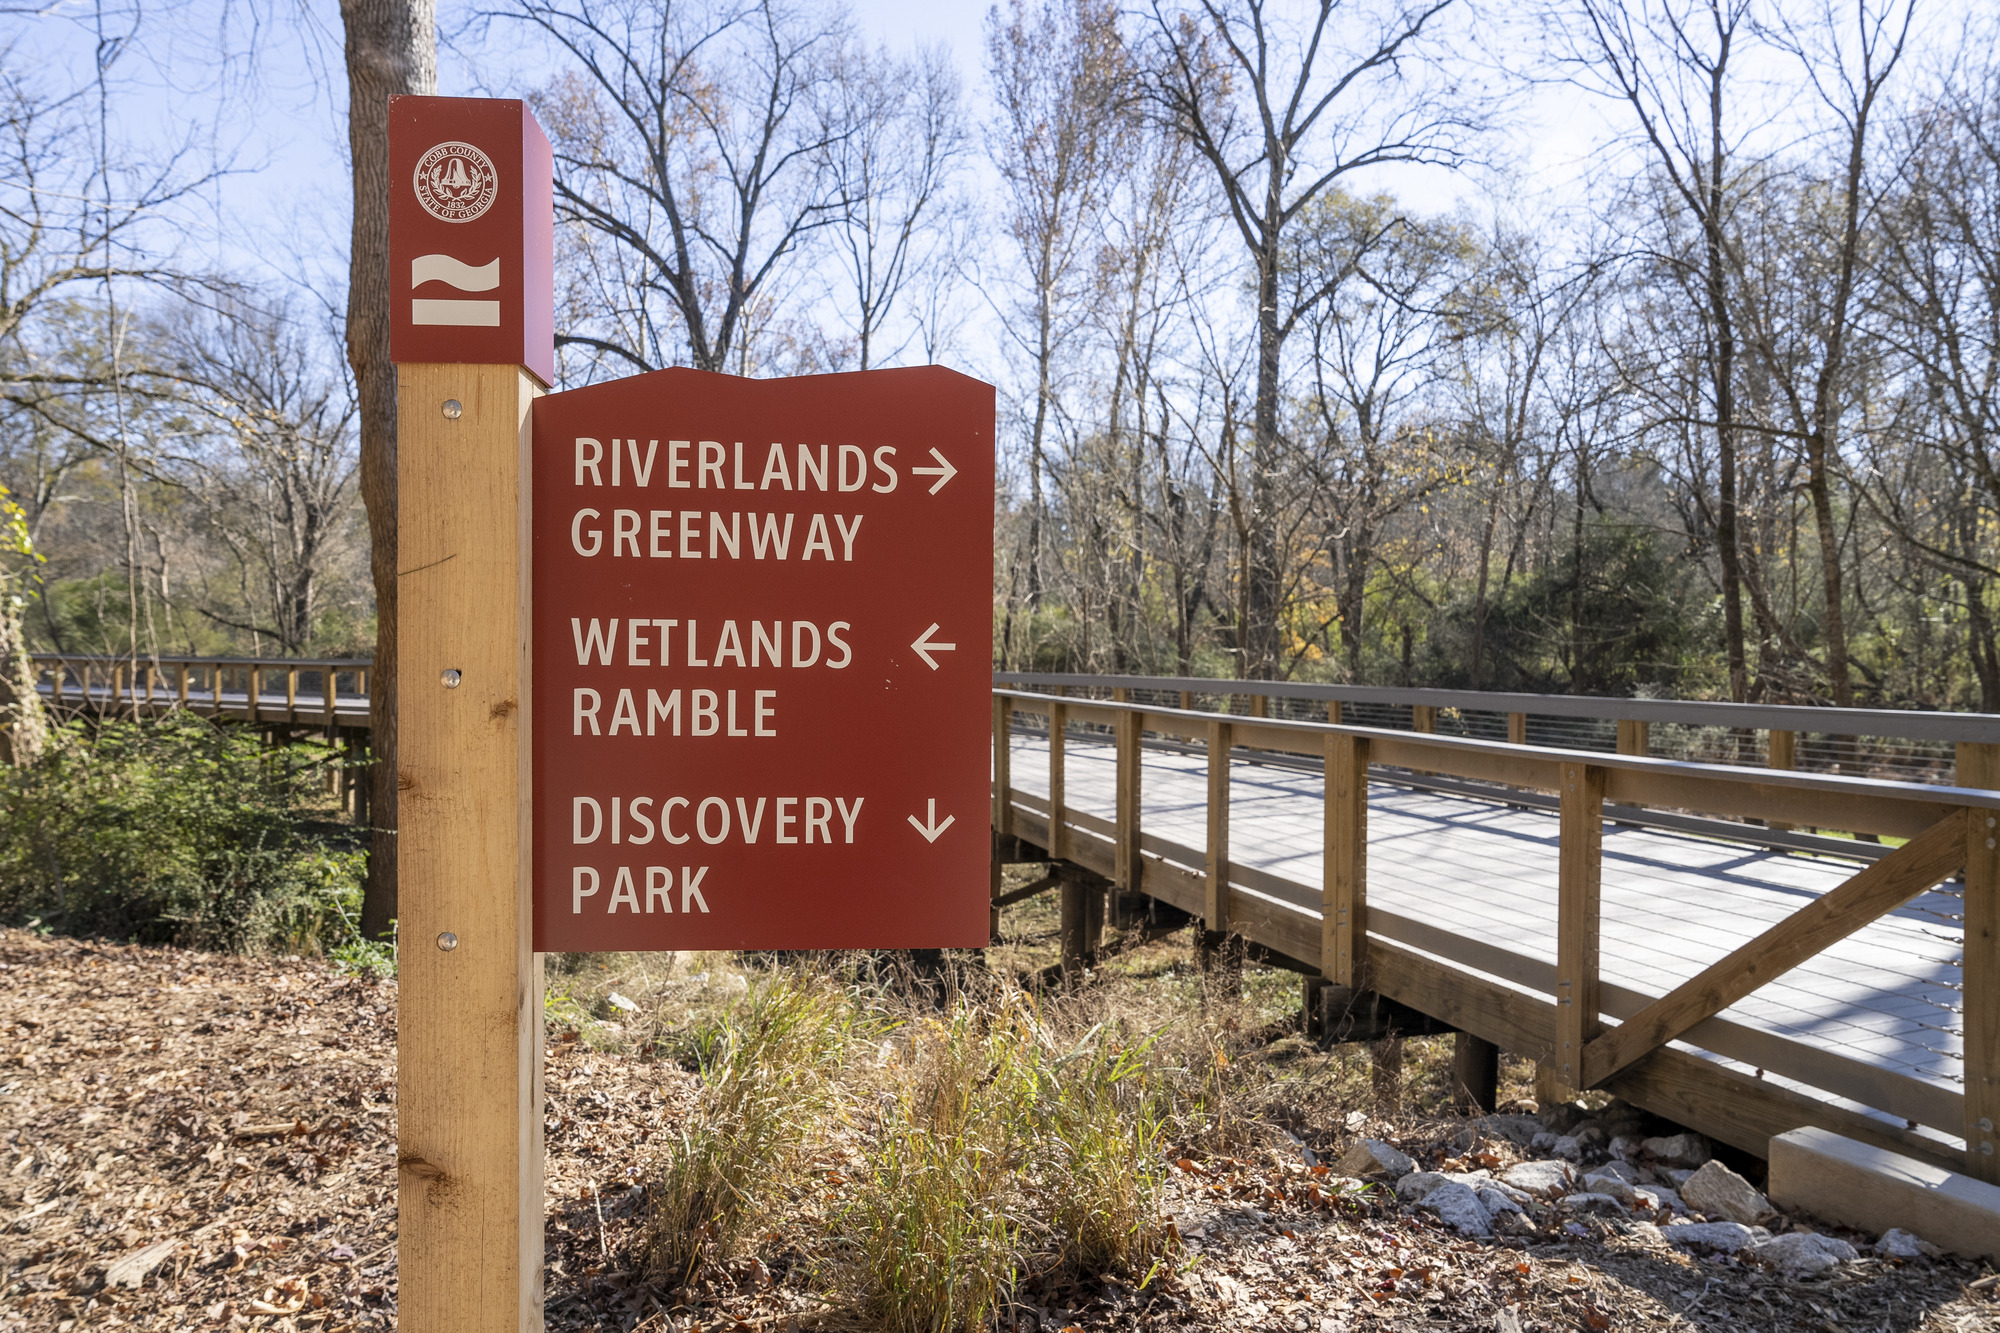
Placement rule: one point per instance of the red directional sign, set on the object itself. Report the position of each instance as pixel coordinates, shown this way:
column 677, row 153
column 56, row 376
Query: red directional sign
column 762, row 611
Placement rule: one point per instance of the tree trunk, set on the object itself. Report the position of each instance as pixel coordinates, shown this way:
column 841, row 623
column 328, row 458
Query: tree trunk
column 391, row 48
column 1980, row 642
column 1260, row 562
column 1834, row 620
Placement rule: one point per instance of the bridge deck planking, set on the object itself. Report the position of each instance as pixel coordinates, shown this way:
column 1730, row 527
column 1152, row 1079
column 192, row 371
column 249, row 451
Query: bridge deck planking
column 1673, row 903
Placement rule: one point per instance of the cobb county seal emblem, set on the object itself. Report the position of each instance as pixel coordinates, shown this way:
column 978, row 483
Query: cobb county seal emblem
column 456, row 182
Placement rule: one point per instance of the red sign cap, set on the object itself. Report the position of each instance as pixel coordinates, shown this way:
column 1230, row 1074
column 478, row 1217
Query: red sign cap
column 471, row 234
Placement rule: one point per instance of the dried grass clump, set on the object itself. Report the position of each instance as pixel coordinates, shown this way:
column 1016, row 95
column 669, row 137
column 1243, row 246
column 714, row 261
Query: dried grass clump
column 1003, row 1150
column 931, row 1238
column 768, row 1066
column 1102, row 1113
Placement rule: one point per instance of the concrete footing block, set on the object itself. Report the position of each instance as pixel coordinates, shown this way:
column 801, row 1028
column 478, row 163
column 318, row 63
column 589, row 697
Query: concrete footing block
column 1873, row 1189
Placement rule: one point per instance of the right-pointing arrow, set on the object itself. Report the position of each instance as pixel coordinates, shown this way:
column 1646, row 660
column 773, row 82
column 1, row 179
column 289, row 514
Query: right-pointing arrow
column 925, row 647
column 931, row 828
column 944, row 472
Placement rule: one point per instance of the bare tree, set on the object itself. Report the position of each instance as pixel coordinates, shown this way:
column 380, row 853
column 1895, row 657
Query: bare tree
column 1062, row 78
column 1378, row 446
column 1522, row 305
column 1671, row 65
column 1805, row 343
column 270, row 461
column 1935, row 477
column 1280, row 113
column 893, row 170
column 692, row 144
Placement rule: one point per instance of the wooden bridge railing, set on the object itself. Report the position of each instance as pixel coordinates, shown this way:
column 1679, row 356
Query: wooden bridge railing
column 1333, row 929
column 1906, row 743
column 290, row 691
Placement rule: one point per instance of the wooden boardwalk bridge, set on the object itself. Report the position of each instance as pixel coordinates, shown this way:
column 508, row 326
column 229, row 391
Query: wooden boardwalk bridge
column 1682, row 932
column 329, row 694
column 1745, row 918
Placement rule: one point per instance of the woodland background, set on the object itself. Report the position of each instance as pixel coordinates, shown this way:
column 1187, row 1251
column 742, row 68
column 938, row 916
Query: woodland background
column 1718, row 422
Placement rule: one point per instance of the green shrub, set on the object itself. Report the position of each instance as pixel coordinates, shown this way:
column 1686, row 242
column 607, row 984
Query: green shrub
column 181, row 831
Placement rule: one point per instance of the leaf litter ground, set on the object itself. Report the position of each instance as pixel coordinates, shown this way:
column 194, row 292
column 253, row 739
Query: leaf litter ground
column 206, row 1141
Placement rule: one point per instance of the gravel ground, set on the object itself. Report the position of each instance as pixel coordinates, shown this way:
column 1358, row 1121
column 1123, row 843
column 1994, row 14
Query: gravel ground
column 202, row 1141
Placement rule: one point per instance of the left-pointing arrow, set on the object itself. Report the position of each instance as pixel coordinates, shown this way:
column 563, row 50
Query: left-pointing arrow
column 931, row 828
column 925, row 647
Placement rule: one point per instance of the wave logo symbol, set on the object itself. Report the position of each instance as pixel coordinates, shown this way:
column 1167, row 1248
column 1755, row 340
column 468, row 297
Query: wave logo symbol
column 467, row 278
column 455, row 182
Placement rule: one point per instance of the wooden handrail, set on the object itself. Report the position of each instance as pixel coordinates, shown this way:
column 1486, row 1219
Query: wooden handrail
column 303, row 663
column 1907, row 724
column 1538, row 767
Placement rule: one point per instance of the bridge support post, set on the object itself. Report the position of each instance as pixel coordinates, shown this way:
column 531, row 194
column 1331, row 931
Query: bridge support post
column 1082, row 909
column 1580, row 860
column 1385, row 1060
column 1344, row 864
column 1058, row 734
column 1783, row 753
column 1475, row 1073
column 1128, row 864
column 1215, row 907
column 1979, row 766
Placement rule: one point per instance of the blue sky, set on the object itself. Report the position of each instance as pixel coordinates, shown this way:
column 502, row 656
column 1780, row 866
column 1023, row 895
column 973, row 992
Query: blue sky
column 259, row 85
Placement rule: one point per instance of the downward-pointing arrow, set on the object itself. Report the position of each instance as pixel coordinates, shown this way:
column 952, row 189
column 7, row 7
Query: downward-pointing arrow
column 944, row 473
column 932, row 829
column 925, row 647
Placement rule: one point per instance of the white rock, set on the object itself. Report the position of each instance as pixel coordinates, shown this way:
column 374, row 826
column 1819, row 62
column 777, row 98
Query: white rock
column 1801, row 1254
column 1567, row 1148
column 1626, row 1147
column 1625, row 1171
column 1372, row 1159
column 1418, row 1185
column 1603, row 1182
column 1726, row 1237
column 617, row 1001
column 1494, row 1201
column 1589, row 1201
column 1542, row 1142
column 1721, row 1193
column 1686, row 1150
column 1459, row 1208
column 1897, row 1243
column 1540, row 1179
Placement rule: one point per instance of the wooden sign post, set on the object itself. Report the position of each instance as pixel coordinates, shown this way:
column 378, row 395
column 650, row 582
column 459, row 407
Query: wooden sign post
column 763, row 700
column 471, row 255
